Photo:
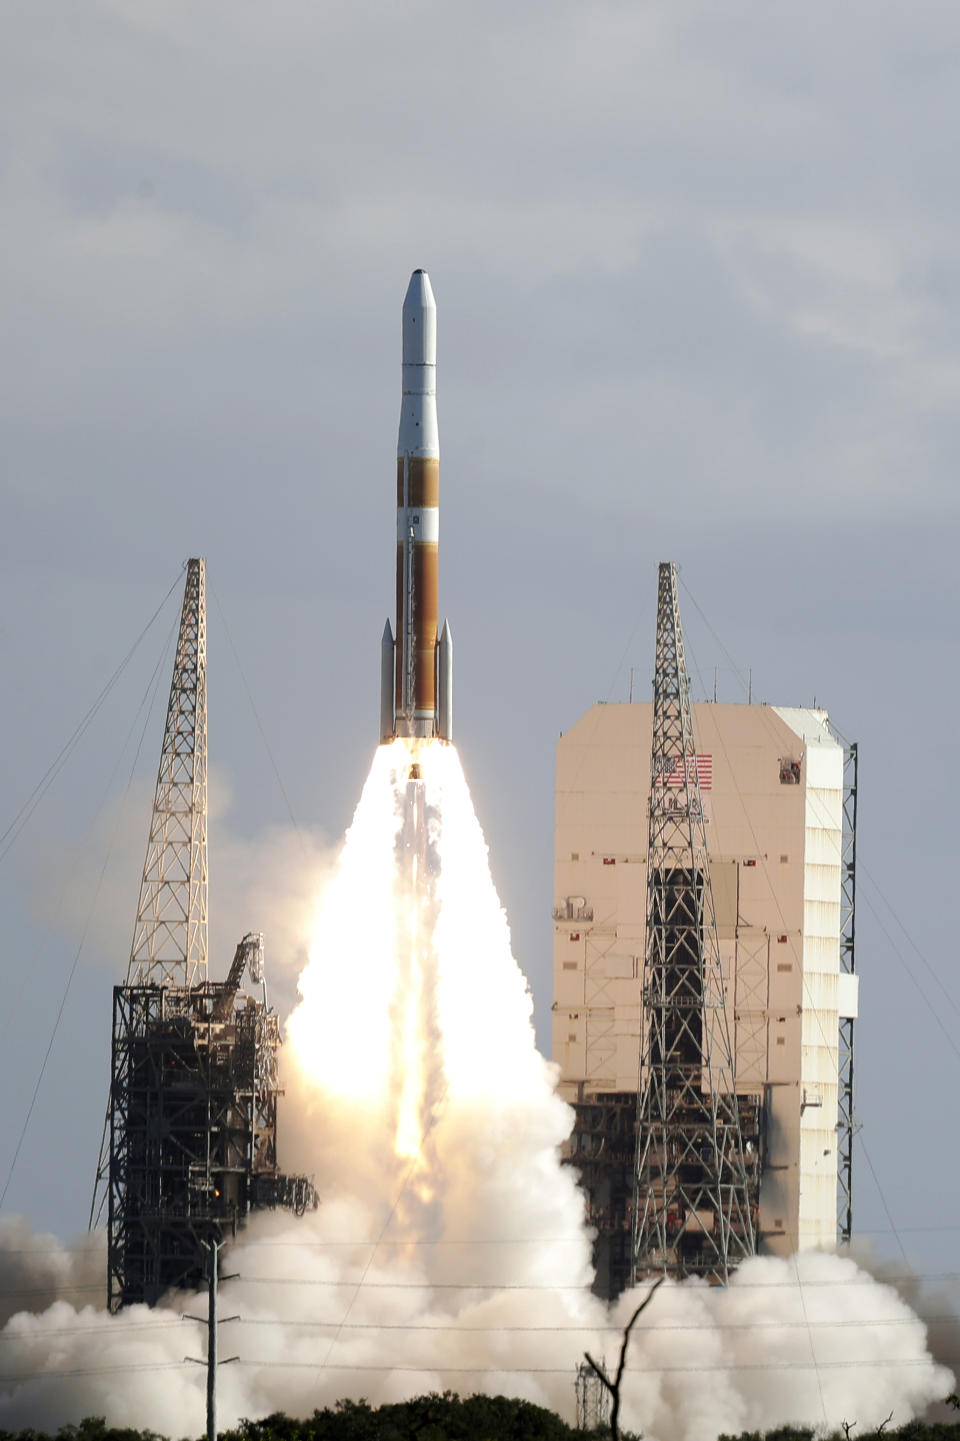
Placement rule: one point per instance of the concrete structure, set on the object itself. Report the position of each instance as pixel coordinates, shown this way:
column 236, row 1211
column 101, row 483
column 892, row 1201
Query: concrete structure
column 772, row 781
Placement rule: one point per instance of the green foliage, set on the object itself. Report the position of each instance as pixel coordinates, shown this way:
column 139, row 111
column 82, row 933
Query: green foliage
column 444, row 1417
column 94, row 1428
column 782, row 1433
column 448, row 1417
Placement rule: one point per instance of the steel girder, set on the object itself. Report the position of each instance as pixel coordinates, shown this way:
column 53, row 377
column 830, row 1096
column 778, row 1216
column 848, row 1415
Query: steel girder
column 696, row 1184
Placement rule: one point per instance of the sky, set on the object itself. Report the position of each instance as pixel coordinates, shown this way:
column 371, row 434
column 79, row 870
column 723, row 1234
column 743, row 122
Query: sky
column 699, row 300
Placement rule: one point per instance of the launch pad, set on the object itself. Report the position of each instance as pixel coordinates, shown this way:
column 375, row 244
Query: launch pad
column 190, row 1140
column 194, row 1094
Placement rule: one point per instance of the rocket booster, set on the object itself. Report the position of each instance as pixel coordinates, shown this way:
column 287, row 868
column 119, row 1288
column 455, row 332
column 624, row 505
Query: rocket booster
column 416, row 667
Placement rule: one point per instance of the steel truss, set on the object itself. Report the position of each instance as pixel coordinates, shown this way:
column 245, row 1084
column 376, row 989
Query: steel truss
column 846, row 1125
column 170, row 934
column 603, row 1147
column 697, row 1175
column 593, row 1399
column 193, row 1132
column 190, row 1140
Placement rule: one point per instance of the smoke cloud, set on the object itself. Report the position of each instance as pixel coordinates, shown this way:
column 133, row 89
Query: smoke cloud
column 450, row 1249
column 36, row 1270
column 268, row 881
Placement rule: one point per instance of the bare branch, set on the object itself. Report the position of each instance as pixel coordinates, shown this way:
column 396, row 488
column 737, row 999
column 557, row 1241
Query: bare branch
column 614, row 1386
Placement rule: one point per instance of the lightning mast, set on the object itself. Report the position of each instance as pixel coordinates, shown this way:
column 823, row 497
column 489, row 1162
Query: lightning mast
column 170, row 933
column 697, row 1172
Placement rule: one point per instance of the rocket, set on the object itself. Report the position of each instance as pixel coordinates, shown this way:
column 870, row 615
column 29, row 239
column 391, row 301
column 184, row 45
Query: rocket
column 416, row 668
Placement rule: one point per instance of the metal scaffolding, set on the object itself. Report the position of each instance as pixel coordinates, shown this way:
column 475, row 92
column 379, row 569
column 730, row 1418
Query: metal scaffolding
column 603, row 1147
column 593, row 1399
column 846, row 1125
column 170, row 934
column 193, row 1132
column 190, row 1139
column 696, row 1184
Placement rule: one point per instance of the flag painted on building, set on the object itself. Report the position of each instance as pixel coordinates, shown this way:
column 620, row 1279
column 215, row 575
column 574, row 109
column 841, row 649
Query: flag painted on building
column 698, row 767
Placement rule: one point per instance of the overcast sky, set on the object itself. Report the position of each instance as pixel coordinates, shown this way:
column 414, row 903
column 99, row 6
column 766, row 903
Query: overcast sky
column 699, row 299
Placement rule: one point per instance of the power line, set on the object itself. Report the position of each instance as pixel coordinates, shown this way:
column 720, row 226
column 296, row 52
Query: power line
column 718, row 1327
column 586, row 1328
column 430, row 1245
column 15, row 1378
column 42, row 1332
column 431, row 1366
column 812, row 1283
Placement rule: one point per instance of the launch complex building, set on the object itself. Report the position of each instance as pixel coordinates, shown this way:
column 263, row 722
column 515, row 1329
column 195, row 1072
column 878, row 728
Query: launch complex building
column 777, row 792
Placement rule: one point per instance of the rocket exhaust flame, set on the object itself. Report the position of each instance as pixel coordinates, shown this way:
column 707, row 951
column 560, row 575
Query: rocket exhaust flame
column 416, row 1022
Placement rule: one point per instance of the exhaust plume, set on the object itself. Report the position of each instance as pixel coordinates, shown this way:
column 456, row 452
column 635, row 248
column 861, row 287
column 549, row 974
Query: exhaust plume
column 450, row 1250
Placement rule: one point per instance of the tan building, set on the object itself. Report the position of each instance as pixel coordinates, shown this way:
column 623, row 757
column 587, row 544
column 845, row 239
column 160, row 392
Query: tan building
column 772, row 782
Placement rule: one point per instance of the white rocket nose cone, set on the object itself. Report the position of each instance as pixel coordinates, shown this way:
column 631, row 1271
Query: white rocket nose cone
column 419, row 332
column 419, row 294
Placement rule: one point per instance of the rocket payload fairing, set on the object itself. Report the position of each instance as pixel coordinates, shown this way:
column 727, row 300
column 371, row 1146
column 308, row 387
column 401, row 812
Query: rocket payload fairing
column 416, row 668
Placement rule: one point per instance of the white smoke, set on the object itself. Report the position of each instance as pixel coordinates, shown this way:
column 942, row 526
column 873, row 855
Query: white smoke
column 450, row 1250
column 267, row 881
column 36, row 1270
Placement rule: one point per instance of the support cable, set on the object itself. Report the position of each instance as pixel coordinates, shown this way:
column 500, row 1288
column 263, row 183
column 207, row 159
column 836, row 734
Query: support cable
column 13, row 831
column 97, row 1206
column 863, row 871
column 96, row 891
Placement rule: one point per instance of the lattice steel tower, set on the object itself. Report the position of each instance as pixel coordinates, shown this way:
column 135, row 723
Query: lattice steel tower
column 170, row 934
column 697, row 1172
column 846, row 1122
column 190, row 1141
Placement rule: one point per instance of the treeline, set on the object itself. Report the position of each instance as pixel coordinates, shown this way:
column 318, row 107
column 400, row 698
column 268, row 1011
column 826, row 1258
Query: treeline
column 455, row 1418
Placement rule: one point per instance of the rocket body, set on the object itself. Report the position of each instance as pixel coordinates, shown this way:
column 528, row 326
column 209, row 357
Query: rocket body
column 416, row 692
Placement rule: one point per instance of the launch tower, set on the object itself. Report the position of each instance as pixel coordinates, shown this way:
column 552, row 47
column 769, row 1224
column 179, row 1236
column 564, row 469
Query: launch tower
column 697, row 1175
column 778, row 797
column 190, row 1141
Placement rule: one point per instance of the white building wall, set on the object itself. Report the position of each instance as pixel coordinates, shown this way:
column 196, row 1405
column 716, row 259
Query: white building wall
column 819, row 1081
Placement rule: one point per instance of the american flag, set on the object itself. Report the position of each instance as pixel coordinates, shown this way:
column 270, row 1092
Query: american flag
column 704, row 772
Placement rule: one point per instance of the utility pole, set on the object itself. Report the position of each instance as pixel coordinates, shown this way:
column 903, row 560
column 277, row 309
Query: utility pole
column 696, row 1182
column 213, row 1321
